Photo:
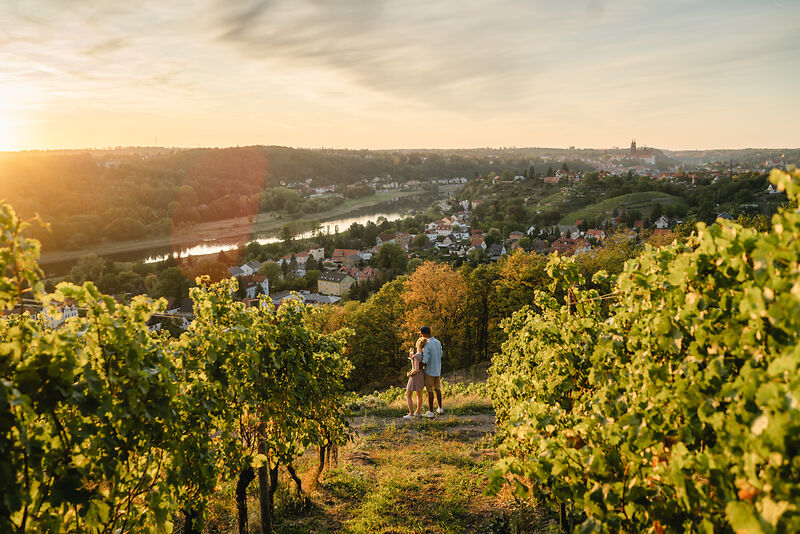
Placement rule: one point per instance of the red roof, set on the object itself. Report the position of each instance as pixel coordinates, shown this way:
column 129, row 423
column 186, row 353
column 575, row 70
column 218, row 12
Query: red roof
column 340, row 253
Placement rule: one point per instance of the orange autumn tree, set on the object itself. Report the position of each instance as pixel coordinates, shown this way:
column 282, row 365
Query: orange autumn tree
column 436, row 295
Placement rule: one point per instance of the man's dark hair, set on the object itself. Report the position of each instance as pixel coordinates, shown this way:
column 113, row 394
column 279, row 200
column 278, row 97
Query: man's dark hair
column 425, row 330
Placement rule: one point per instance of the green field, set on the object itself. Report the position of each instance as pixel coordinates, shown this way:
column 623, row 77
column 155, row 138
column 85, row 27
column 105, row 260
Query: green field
column 643, row 202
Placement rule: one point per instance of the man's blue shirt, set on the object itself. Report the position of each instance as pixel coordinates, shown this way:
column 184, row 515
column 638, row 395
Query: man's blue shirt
column 432, row 357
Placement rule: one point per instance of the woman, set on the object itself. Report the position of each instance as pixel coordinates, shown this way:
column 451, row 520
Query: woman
column 416, row 379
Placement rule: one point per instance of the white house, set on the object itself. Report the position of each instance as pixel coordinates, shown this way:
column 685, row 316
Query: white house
column 318, row 253
column 662, row 223
column 67, row 310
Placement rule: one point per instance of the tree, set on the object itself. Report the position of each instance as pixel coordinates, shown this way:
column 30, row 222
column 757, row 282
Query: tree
column 88, row 268
column 493, row 236
column 252, row 252
column 564, row 167
column 476, row 256
column 392, row 259
column 286, row 234
column 435, row 295
column 271, row 270
column 550, row 171
column 420, row 240
column 172, row 283
column 377, row 350
column 656, row 212
column 519, row 276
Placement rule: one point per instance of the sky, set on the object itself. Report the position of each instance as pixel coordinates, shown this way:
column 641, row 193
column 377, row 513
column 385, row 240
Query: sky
column 399, row 74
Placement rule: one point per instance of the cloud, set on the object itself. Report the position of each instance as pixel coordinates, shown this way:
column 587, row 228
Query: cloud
column 440, row 53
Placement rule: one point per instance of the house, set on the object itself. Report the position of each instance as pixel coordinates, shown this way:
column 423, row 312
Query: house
column 638, row 224
column 302, row 257
column 254, row 285
column 187, row 307
column 600, row 235
column 315, row 298
column 351, row 260
column 235, row 271
column 564, row 245
column 662, row 222
column 382, row 239
column 286, row 296
column 552, row 180
column 444, row 228
column 251, row 267
column 516, row 235
column 448, row 241
column 404, row 240
column 154, row 323
column 478, row 242
column 366, row 274
column 318, row 253
column 496, row 250
column 340, row 253
column 725, row 215
column 582, row 246
column 244, row 270
column 540, row 246
column 335, row 283
column 64, row 310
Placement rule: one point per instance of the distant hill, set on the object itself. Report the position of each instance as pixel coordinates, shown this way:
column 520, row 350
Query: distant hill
column 642, row 202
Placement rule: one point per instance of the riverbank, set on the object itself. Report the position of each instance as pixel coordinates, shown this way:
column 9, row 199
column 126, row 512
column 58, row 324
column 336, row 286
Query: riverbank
column 239, row 229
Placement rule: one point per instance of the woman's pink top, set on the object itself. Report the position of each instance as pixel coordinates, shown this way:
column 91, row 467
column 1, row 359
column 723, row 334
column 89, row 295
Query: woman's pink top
column 416, row 382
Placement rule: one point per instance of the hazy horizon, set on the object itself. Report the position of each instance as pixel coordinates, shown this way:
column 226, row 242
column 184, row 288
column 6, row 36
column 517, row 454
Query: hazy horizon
column 395, row 148
column 675, row 75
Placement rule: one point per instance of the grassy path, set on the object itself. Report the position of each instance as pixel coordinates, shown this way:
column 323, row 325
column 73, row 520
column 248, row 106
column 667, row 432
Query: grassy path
column 400, row 476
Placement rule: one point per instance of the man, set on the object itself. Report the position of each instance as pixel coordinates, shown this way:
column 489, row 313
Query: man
column 432, row 361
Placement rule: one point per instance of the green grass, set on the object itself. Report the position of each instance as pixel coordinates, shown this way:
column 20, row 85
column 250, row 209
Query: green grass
column 398, row 476
column 643, row 202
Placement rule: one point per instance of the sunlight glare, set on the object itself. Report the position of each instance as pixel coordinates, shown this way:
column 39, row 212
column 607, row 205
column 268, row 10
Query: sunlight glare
column 6, row 132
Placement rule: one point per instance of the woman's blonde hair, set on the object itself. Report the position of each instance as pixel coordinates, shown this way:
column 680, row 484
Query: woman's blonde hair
column 421, row 342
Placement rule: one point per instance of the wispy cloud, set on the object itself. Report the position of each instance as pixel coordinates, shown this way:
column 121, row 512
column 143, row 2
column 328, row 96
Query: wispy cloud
column 535, row 61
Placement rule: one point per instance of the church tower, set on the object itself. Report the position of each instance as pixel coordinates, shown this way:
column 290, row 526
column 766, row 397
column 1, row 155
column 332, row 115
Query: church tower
column 633, row 147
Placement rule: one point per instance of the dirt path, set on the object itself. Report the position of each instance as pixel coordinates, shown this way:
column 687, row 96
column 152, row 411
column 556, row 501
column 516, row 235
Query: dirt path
column 422, row 475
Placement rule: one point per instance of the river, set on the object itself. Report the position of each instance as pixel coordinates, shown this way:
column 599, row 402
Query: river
column 328, row 227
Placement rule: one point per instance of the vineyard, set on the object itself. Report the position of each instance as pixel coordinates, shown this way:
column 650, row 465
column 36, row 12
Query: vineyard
column 670, row 403
column 662, row 399
column 107, row 427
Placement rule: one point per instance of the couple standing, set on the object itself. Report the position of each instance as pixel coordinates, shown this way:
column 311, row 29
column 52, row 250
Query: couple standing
column 426, row 370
